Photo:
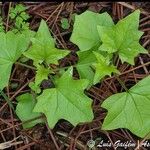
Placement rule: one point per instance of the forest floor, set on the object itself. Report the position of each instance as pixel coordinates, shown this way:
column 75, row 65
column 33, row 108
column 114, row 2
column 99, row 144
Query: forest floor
column 64, row 136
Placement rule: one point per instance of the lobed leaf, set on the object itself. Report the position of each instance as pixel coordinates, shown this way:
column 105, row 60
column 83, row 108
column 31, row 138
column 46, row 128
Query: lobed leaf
column 43, row 47
column 86, row 59
column 24, row 110
column 12, row 47
column 123, row 38
column 103, row 67
column 66, row 101
column 41, row 74
column 130, row 110
column 85, row 34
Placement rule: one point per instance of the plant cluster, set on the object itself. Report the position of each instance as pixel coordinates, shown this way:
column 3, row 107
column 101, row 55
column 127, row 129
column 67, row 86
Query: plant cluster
column 19, row 18
column 99, row 41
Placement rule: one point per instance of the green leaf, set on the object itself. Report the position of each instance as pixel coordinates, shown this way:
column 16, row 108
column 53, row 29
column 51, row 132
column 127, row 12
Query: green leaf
column 102, row 67
column 24, row 109
column 24, row 16
column 86, row 59
column 23, row 59
column 16, row 11
column 43, row 47
column 20, row 25
column 123, row 38
column 19, row 17
column 12, row 47
column 34, row 87
column 66, row 101
column 44, row 36
column 130, row 109
column 85, row 34
column 19, row 8
column 41, row 74
column 64, row 23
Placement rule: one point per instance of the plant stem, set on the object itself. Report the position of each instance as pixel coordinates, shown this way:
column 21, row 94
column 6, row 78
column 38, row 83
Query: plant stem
column 27, row 66
column 7, row 100
column 57, row 69
column 122, row 84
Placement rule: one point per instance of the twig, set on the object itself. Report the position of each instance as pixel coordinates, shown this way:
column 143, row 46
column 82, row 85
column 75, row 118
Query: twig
column 132, row 7
column 62, row 4
column 7, row 100
column 10, row 143
column 53, row 138
column 8, row 17
column 148, row 63
column 122, row 84
column 24, row 65
column 53, row 13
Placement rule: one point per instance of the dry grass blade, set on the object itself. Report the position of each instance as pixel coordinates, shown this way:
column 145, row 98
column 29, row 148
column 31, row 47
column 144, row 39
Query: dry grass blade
column 11, row 143
column 7, row 100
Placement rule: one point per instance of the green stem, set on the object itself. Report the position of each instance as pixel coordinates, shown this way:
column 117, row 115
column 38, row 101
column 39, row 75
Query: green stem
column 62, row 68
column 122, row 84
column 115, row 58
column 7, row 100
column 27, row 66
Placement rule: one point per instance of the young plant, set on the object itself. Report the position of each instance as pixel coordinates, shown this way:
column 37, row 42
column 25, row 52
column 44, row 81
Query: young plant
column 67, row 97
column 99, row 40
column 19, row 17
column 65, row 23
column 129, row 109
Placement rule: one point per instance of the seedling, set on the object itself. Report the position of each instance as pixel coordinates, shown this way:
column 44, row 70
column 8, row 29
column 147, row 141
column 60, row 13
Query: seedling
column 65, row 23
column 19, row 17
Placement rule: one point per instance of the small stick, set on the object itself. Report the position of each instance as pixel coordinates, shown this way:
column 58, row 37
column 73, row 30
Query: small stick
column 10, row 143
column 132, row 7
